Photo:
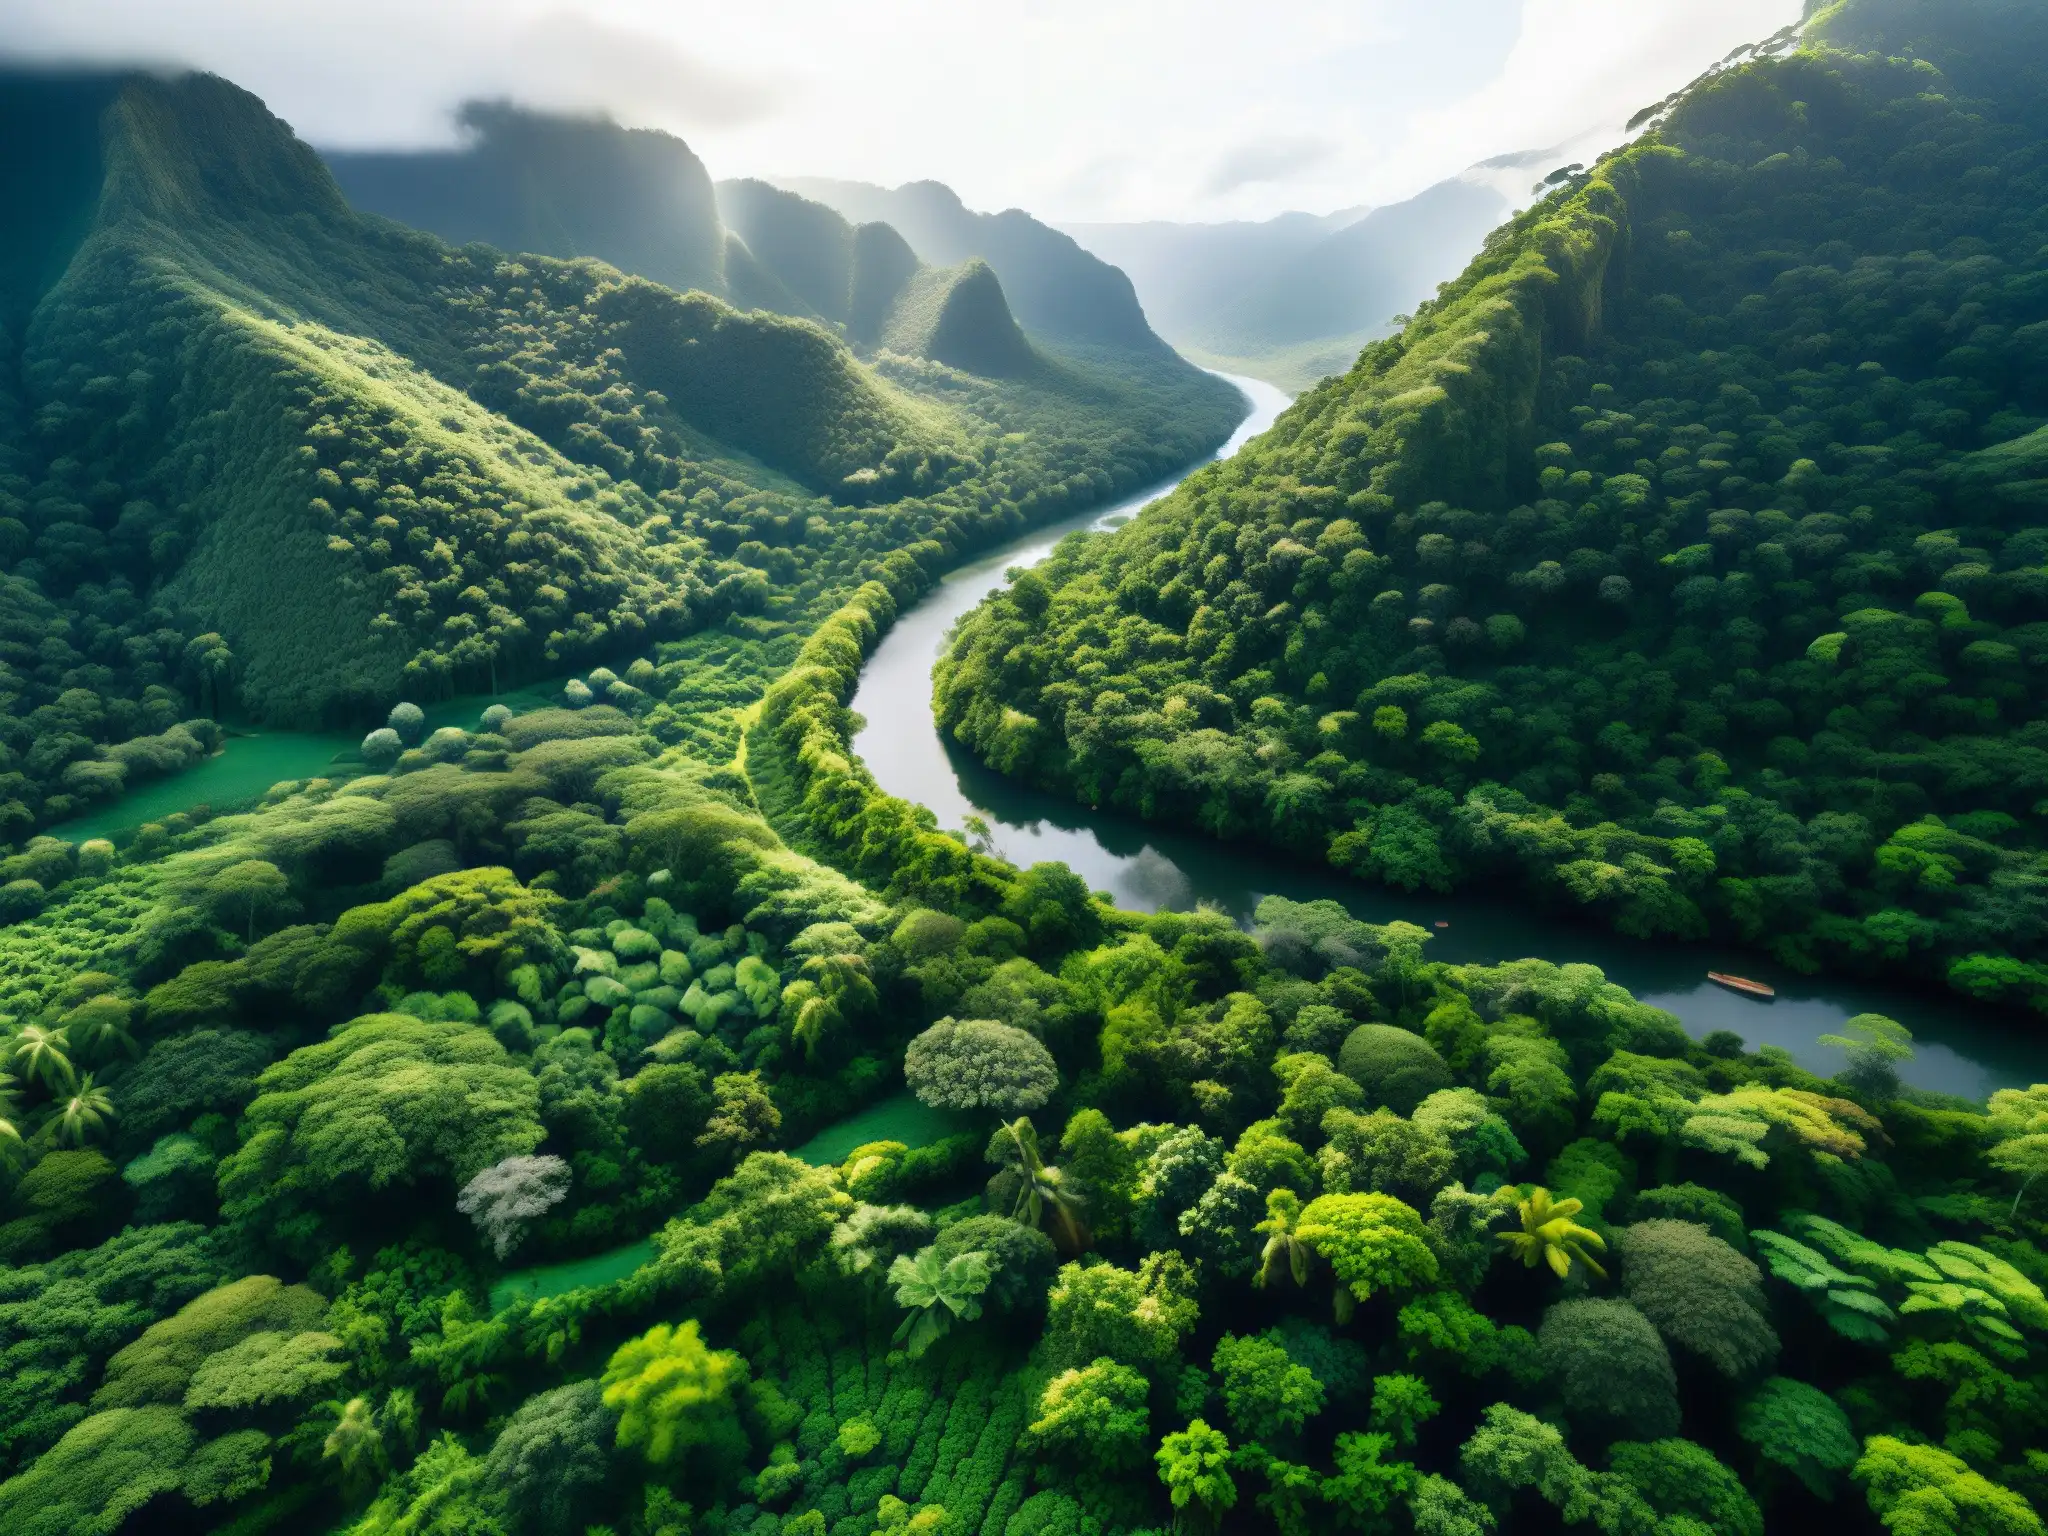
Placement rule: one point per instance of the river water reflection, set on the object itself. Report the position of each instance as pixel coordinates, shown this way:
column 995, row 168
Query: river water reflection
column 1961, row 1049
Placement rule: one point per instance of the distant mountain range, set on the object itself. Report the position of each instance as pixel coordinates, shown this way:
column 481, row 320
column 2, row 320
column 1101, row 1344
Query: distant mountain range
column 1294, row 298
column 907, row 270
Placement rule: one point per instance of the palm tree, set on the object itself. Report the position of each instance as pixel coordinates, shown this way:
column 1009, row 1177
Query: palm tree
column 85, row 1113
column 1549, row 1234
column 10, row 1133
column 102, row 1026
column 1040, row 1188
column 43, row 1056
column 355, row 1443
column 936, row 1291
column 1284, row 1253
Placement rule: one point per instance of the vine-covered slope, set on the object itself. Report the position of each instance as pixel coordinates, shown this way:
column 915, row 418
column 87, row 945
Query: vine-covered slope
column 260, row 454
column 1680, row 562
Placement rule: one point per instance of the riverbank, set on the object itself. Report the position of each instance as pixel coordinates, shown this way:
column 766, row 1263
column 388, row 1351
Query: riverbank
column 1959, row 1049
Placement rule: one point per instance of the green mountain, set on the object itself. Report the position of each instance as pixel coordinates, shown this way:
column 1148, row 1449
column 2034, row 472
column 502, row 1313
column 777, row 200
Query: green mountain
column 259, row 453
column 619, row 1115
column 1056, row 288
column 557, row 186
column 1293, row 299
column 1679, row 565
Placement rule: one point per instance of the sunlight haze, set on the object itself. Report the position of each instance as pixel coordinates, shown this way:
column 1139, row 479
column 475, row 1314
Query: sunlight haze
column 1104, row 111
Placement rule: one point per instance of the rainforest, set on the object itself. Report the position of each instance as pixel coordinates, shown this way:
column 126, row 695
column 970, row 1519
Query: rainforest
column 591, row 1105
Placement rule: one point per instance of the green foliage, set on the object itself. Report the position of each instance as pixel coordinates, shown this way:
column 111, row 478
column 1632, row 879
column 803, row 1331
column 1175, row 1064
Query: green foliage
column 1134, row 1317
column 1194, row 1464
column 1638, row 595
column 1395, row 1067
column 671, row 1391
column 388, row 1099
column 1916, row 1489
column 162, row 1366
column 1679, row 1478
column 1799, row 1427
column 1611, row 1368
column 103, row 1471
column 980, row 1064
column 1401, row 1405
column 934, row 1291
column 552, row 1459
column 1702, row 1295
column 1096, row 1414
column 1267, row 1395
column 1371, row 1243
column 1550, row 1236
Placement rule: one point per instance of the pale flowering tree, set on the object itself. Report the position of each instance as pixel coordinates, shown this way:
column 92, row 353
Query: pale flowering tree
column 506, row 1197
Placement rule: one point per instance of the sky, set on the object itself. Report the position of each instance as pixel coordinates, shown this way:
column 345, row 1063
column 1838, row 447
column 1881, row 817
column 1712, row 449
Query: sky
column 1077, row 110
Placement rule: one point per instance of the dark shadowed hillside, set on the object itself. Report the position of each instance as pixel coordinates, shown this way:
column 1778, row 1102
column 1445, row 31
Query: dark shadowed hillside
column 556, row 186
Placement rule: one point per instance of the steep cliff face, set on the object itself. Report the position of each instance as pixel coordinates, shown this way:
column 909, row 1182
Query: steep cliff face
column 556, row 186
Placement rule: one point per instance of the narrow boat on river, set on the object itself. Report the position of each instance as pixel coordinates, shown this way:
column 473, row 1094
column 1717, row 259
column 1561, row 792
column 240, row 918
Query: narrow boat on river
column 1742, row 984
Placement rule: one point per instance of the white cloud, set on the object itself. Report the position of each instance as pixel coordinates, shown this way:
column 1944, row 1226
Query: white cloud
column 1075, row 109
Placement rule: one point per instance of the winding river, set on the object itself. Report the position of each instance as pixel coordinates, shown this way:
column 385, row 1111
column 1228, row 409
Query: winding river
column 1961, row 1050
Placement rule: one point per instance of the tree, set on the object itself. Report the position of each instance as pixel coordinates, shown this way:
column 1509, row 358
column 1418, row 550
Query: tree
column 1371, row 1243
column 1033, row 1190
column 102, row 1026
column 1922, row 1490
column 1134, row 1317
column 406, row 722
column 1095, row 1413
column 1265, row 1393
column 105, row 1469
column 1021, row 1259
column 1173, row 1178
column 1395, row 1067
column 936, row 1291
column 41, row 1055
column 672, row 1392
column 510, row 1195
column 979, row 1064
column 160, row 1366
column 1439, row 1507
column 1680, row 1479
column 1795, row 1425
column 875, row 1234
column 1364, row 1488
column 1611, row 1367
column 1874, row 1045
column 1701, row 1294
column 1401, row 1405
column 551, row 1460
column 1309, row 1089
column 84, row 1114
column 1194, row 1463
column 742, row 1113
column 1482, row 1140
column 244, row 891
column 2019, row 1120
column 355, row 1444
column 1385, row 1153
column 386, row 1099
column 1286, row 1253
column 1549, row 1234
column 265, row 1371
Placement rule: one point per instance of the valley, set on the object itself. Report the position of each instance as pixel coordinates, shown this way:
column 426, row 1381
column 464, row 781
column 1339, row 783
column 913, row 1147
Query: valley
column 703, row 854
